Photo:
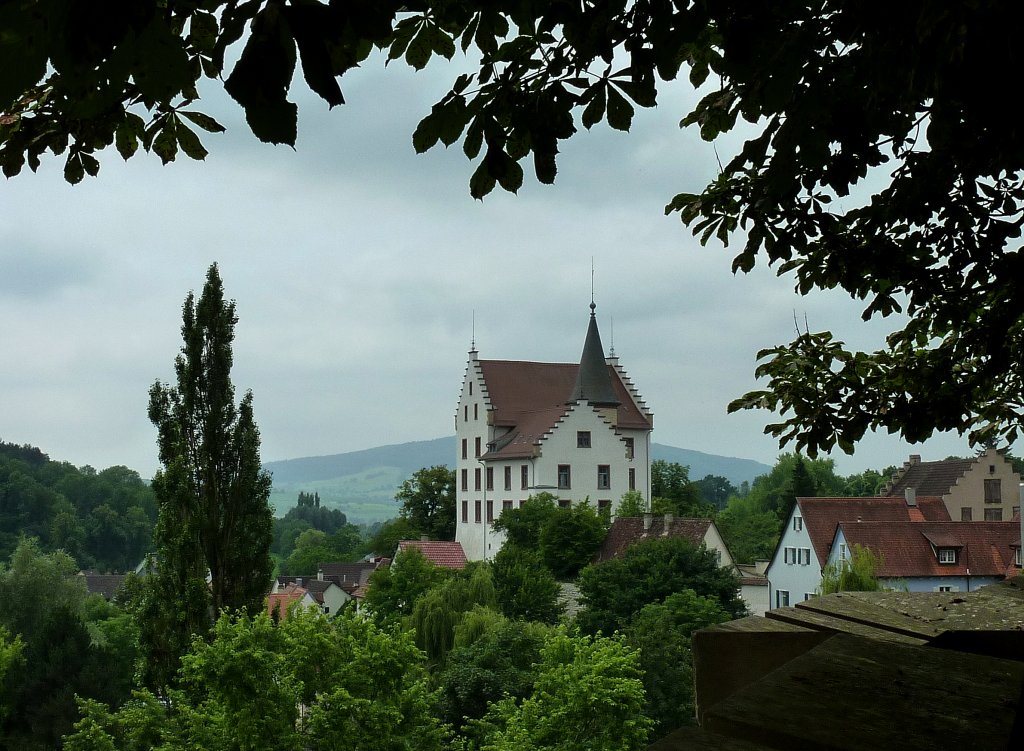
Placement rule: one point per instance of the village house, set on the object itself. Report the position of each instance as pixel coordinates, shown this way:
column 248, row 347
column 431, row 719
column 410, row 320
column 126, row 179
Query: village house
column 279, row 604
column 981, row 489
column 327, row 594
column 580, row 431
column 794, row 573
column 923, row 556
column 443, row 553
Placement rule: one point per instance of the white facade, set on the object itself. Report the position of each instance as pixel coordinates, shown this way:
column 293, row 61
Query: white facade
column 794, row 573
column 577, row 452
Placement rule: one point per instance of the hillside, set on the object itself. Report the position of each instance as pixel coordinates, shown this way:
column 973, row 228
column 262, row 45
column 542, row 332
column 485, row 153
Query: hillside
column 363, row 483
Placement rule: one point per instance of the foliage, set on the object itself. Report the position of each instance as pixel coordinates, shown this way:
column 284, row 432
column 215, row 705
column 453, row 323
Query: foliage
column 385, row 541
column 438, row 612
column 104, row 520
column 522, row 526
column 212, row 492
column 525, row 588
column 661, row 633
column 715, row 490
column 587, row 695
column 614, row 591
column 750, row 533
column 64, row 644
column 631, row 504
column 363, row 689
column 854, row 575
column 393, row 590
column 313, row 547
column 570, row 537
column 499, row 663
column 673, row 493
column 428, row 501
column 306, row 514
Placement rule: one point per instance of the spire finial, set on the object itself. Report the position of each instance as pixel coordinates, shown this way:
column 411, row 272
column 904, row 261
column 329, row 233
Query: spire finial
column 472, row 341
column 611, row 351
column 592, row 306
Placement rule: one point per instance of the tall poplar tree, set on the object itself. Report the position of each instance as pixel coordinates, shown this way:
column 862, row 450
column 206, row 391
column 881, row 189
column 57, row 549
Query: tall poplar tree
column 214, row 515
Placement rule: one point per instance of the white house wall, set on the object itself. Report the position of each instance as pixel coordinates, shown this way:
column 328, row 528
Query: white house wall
column 800, row 580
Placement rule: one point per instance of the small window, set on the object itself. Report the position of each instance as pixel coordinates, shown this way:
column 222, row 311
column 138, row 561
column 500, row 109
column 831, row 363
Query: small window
column 842, row 551
column 947, row 588
column 564, row 477
column 564, row 503
column 804, row 556
column 947, row 555
column 993, row 491
column 465, row 413
column 782, row 598
column 508, row 478
column 490, row 512
column 327, row 609
column 490, row 478
column 476, row 480
column 993, row 514
column 524, row 476
column 629, row 447
column 582, row 439
column 798, row 523
column 465, row 448
column 808, row 595
column 476, row 415
column 471, row 388
column 604, row 476
column 966, row 513
column 465, row 479
column 632, row 478
column 465, row 511
column 477, row 447
column 476, row 511
column 604, row 506
column 506, row 505
column 789, row 555
column 1016, row 557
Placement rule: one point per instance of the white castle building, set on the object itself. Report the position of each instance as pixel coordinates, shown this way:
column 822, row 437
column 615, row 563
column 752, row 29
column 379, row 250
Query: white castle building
column 578, row 431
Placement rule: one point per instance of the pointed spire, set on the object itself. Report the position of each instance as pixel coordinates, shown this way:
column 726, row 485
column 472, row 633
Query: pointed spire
column 593, row 384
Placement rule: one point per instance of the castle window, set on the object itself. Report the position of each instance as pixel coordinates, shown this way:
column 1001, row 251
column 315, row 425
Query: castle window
column 604, row 507
column 476, row 511
column 465, row 511
column 476, row 414
column 632, row 478
column 564, row 477
column 465, row 448
column 993, row 491
column 465, row 413
column 993, row 514
column 782, row 598
column 490, row 512
column 629, row 448
column 490, row 478
column 476, row 480
column 582, row 439
column 524, row 476
column 508, row 478
column 471, row 388
column 506, row 506
column 564, row 503
column 477, row 447
column 604, row 476
column 465, row 479
column 798, row 523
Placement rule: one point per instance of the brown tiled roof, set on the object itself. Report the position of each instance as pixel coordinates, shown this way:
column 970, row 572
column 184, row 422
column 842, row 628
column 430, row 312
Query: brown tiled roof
column 104, row 584
column 932, row 478
column 349, row 575
column 984, row 548
column 283, row 600
column 439, row 552
column 822, row 515
column 314, row 586
column 626, row 531
column 530, row 397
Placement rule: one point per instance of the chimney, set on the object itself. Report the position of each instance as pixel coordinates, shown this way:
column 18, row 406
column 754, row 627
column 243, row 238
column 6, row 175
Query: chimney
column 320, row 574
column 668, row 522
column 911, row 495
column 298, row 581
column 647, row 522
column 915, row 458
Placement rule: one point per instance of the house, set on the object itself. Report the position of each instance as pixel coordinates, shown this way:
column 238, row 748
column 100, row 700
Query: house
column 925, row 556
column 981, row 489
column 444, row 553
column 794, row 573
column 353, row 578
column 105, row 585
column 280, row 603
column 626, row 531
column 577, row 430
column 328, row 594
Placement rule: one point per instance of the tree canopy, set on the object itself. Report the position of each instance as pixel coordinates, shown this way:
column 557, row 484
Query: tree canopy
column 428, row 501
column 881, row 158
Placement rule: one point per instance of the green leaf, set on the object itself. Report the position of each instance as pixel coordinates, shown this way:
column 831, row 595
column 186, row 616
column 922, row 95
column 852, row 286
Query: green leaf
column 189, row 142
column 594, row 111
column 126, row 140
column 90, row 164
column 427, row 132
column 481, row 183
column 307, row 24
column 73, row 169
column 203, row 31
column 205, row 122
column 544, row 166
column 620, row 112
column 165, row 145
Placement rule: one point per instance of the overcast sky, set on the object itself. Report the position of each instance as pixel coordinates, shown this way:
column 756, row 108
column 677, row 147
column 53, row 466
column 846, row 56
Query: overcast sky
column 357, row 266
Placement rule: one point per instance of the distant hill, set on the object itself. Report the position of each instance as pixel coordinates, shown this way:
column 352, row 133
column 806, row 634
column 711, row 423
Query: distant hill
column 363, row 483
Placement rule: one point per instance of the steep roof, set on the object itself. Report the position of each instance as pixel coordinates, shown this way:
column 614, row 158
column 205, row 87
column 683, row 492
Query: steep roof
column 931, row 478
column 348, row 576
column 822, row 515
column 983, row 548
column 529, row 398
column 448, row 554
column 103, row 584
column 281, row 601
column 593, row 381
column 626, row 531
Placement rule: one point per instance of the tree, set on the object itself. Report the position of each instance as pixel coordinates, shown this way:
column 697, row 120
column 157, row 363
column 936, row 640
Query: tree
column 393, row 590
column 750, row 532
column 858, row 574
column 715, row 489
column 845, row 100
column 428, row 501
column 525, row 588
column 614, row 591
column 799, row 485
column 437, row 613
column 588, row 695
column 385, row 541
column 631, row 504
column 522, row 526
column 569, row 539
column 214, row 514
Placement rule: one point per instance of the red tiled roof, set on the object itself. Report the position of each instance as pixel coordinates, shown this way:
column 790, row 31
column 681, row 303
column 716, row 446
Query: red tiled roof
column 823, row 515
column 932, row 478
column 984, row 548
column 283, row 600
column 439, row 552
column 626, row 531
column 530, row 397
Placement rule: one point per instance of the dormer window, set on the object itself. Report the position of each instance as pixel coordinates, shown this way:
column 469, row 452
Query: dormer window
column 947, row 555
column 798, row 523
